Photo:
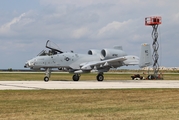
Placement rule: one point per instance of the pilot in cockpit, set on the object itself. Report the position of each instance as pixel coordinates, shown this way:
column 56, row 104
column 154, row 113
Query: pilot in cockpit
column 52, row 52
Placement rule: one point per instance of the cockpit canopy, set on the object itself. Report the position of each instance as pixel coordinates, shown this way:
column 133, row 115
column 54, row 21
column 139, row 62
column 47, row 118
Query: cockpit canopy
column 42, row 53
column 54, row 49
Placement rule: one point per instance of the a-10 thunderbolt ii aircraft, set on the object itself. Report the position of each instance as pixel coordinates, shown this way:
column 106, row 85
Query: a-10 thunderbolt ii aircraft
column 100, row 61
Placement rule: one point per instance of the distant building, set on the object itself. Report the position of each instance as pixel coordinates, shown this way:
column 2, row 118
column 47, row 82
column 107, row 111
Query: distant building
column 161, row 68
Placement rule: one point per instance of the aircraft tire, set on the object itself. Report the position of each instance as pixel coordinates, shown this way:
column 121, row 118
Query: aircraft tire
column 76, row 77
column 100, row 77
column 46, row 79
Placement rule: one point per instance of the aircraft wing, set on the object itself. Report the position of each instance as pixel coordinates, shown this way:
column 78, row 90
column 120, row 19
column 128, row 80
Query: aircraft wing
column 100, row 64
column 114, row 62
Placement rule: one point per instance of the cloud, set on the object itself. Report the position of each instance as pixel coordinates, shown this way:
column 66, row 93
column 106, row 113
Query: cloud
column 88, row 24
column 16, row 26
column 81, row 32
column 6, row 28
column 113, row 27
column 175, row 17
column 76, row 2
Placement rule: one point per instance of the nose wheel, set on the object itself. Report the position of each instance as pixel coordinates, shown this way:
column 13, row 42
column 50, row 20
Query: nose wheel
column 46, row 79
column 47, row 74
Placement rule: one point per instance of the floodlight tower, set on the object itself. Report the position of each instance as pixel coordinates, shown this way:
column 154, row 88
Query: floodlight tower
column 154, row 22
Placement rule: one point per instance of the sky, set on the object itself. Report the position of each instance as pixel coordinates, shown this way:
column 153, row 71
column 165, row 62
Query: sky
column 80, row 25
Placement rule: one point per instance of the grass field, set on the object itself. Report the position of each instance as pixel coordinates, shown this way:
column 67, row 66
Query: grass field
column 126, row 104
column 66, row 76
column 110, row 104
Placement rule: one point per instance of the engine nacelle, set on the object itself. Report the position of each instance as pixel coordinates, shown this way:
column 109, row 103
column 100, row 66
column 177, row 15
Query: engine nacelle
column 112, row 53
column 94, row 52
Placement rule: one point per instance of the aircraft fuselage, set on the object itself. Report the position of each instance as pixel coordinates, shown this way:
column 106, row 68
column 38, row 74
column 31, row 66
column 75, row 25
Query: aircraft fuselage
column 71, row 60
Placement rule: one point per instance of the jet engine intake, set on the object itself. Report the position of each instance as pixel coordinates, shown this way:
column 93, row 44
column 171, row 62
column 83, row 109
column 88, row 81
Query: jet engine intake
column 111, row 53
column 94, row 52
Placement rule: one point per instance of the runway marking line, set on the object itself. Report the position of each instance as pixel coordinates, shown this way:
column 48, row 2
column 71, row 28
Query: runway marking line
column 19, row 86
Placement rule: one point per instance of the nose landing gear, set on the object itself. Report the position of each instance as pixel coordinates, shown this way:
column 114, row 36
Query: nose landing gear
column 46, row 79
column 47, row 74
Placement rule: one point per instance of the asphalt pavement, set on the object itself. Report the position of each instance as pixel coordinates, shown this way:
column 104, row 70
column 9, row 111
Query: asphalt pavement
column 119, row 84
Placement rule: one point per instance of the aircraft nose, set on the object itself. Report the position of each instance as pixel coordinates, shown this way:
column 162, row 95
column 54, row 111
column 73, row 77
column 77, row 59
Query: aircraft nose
column 29, row 63
column 26, row 65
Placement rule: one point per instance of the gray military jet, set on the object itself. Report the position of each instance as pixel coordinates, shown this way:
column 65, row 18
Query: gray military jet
column 100, row 61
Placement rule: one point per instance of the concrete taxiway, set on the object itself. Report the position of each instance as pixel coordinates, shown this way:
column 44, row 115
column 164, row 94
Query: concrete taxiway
column 120, row 84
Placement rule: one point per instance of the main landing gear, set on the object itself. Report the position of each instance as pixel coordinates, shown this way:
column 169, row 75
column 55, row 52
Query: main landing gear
column 100, row 77
column 76, row 77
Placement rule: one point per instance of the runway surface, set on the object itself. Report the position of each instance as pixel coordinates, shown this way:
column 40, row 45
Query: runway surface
column 120, row 84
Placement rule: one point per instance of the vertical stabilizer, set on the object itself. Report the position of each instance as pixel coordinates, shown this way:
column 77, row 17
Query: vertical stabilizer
column 145, row 56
